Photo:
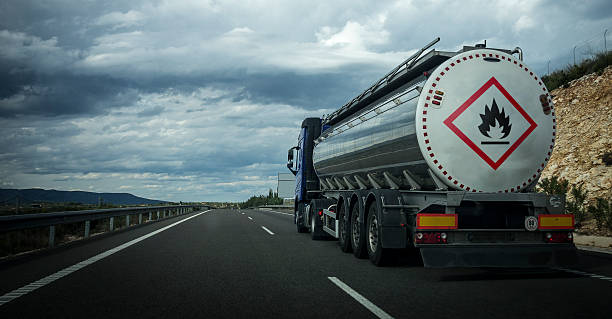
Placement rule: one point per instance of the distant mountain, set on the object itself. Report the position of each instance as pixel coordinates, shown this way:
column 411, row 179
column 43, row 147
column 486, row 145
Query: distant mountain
column 54, row 196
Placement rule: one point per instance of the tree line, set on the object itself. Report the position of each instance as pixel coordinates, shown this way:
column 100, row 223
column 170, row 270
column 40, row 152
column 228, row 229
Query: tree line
column 261, row 200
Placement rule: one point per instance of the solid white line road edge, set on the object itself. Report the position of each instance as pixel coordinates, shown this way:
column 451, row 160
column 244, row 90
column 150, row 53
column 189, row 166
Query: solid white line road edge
column 68, row 270
column 361, row 299
column 269, row 231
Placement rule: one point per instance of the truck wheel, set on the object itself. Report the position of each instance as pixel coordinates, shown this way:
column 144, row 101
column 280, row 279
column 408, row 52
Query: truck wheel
column 378, row 255
column 299, row 222
column 344, row 231
column 316, row 233
column 357, row 234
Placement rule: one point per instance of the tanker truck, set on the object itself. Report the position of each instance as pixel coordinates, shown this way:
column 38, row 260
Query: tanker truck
column 437, row 160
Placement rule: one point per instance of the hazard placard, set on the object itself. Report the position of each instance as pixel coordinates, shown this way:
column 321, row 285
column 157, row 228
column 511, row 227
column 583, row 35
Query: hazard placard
column 504, row 123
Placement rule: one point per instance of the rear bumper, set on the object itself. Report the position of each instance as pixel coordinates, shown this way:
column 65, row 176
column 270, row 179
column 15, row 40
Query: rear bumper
column 550, row 255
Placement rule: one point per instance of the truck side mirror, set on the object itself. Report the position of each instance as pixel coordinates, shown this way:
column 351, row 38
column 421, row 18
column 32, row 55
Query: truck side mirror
column 290, row 155
column 290, row 159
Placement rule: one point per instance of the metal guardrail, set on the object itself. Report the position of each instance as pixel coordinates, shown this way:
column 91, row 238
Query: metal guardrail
column 20, row 222
column 277, row 206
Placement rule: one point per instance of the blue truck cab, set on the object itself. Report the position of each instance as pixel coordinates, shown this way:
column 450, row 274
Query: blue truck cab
column 299, row 162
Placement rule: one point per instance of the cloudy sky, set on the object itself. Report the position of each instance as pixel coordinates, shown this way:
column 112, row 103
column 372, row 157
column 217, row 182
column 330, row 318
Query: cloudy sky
column 199, row 100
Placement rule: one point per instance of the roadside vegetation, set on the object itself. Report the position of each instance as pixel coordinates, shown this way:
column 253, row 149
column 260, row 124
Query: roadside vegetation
column 599, row 210
column 572, row 72
column 261, row 200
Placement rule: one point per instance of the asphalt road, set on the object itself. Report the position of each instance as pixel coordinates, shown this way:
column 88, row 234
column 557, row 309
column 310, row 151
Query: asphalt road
column 235, row 264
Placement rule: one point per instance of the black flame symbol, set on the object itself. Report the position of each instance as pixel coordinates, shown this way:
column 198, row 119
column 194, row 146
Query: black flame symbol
column 491, row 116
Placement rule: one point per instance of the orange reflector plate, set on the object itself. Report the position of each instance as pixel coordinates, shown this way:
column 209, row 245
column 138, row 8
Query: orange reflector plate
column 564, row 221
column 436, row 221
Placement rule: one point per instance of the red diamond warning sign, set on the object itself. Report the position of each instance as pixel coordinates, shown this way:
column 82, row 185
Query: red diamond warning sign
column 491, row 123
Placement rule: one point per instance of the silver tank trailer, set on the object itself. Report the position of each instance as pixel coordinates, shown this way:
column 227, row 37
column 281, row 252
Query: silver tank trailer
column 481, row 121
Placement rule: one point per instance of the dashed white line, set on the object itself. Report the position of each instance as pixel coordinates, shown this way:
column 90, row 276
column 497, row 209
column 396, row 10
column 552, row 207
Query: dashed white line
column 361, row 299
column 68, row 270
column 269, row 232
column 250, row 218
column 582, row 273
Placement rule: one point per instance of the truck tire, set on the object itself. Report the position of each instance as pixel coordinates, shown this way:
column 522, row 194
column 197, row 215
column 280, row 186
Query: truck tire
column 357, row 234
column 316, row 233
column 299, row 222
column 344, row 230
column 378, row 255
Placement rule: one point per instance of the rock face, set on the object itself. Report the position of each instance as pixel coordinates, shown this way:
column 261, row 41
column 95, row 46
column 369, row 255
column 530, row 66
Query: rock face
column 584, row 117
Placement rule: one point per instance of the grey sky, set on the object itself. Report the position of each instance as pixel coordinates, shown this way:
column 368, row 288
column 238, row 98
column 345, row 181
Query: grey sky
column 199, row 100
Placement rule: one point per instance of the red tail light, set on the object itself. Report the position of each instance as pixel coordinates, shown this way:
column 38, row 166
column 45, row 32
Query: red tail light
column 558, row 237
column 320, row 213
column 430, row 238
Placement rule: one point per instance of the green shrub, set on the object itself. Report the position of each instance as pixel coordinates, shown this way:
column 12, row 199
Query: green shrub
column 602, row 212
column 572, row 72
column 553, row 186
column 575, row 205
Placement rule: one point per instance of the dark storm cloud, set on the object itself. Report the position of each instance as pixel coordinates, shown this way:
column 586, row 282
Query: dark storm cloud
column 61, row 94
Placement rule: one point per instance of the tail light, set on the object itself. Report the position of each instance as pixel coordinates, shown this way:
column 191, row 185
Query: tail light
column 430, row 238
column 558, row 237
column 320, row 213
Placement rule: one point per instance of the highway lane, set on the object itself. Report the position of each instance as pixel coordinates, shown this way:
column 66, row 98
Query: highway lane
column 225, row 264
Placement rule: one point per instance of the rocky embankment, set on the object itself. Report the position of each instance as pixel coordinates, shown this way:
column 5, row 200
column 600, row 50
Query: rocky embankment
column 583, row 150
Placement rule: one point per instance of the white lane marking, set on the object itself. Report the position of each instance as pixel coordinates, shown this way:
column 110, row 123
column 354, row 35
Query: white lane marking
column 271, row 211
column 269, row 232
column 242, row 213
column 250, row 218
column 361, row 299
column 68, row 270
column 582, row 273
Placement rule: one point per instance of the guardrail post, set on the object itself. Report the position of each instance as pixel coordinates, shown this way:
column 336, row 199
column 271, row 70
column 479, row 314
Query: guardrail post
column 111, row 224
column 87, row 225
column 127, row 220
column 140, row 218
column 51, row 235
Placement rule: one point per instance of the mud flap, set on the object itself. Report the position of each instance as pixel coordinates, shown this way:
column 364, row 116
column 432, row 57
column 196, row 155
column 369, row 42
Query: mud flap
column 393, row 237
